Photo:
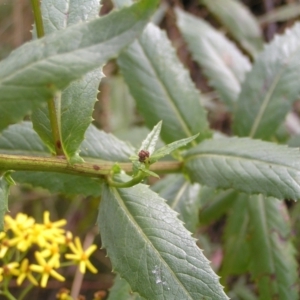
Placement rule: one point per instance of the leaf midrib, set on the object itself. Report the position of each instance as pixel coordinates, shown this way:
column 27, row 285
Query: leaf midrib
column 168, row 95
column 5, row 80
column 139, row 229
column 232, row 157
column 268, row 98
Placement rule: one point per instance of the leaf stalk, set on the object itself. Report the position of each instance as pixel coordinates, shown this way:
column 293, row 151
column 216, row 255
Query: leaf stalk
column 54, row 103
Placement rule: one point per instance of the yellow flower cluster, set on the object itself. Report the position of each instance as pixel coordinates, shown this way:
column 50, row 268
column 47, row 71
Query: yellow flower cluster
column 49, row 241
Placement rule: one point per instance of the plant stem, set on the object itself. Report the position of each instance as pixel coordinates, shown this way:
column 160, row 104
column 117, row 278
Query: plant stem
column 135, row 180
column 96, row 168
column 35, row 4
column 26, row 291
column 54, row 103
column 6, row 291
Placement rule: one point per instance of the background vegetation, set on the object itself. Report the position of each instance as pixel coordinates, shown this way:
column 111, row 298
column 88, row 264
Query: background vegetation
column 216, row 225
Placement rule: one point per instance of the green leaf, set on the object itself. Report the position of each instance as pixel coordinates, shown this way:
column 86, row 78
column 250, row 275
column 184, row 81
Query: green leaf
column 222, row 61
column 77, row 100
column 246, row 165
column 162, row 87
column 60, row 183
column 151, row 249
column 77, row 106
column 237, row 252
column 270, row 88
column 42, row 126
column 21, row 139
column 57, row 14
column 5, row 183
column 282, row 13
column 146, row 171
column 121, row 290
column 217, row 205
column 240, row 22
column 183, row 197
column 35, row 71
column 273, row 263
column 101, row 145
column 165, row 150
column 150, row 141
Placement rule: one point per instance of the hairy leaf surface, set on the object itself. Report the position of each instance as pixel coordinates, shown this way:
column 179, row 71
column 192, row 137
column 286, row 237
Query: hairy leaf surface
column 162, row 87
column 250, row 166
column 35, row 71
column 77, row 101
column 239, row 21
column 222, row 61
column 273, row 263
column 270, row 88
column 183, row 197
column 161, row 261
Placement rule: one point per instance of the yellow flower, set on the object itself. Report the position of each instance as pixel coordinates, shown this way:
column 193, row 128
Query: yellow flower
column 25, row 272
column 20, row 223
column 11, row 269
column 46, row 268
column 52, row 231
column 82, row 257
column 4, row 244
column 53, row 225
column 21, row 227
column 63, row 294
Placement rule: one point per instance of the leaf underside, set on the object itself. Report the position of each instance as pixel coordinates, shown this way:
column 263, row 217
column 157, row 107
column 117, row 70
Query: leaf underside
column 246, row 165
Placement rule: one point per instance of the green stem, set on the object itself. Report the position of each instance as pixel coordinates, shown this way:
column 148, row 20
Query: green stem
column 26, row 291
column 6, row 292
column 135, row 180
column 35, row 4
column 53, row 104
column 96, row 168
